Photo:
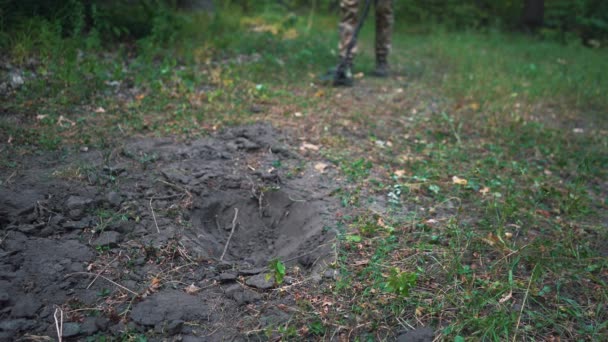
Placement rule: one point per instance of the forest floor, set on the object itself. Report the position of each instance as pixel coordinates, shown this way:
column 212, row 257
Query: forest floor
column 228, row 195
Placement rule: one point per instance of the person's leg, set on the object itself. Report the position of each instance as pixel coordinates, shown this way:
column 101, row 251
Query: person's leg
column 348, row 23
column 384, row 31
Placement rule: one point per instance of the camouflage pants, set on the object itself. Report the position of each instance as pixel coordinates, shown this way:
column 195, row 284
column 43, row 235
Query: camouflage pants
column 384, row 28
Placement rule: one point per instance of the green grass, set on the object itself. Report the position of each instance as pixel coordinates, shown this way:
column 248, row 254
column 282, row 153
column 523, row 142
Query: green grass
column 510, row 249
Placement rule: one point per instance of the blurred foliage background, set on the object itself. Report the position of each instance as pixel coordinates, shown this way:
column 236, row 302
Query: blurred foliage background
column 561, row 20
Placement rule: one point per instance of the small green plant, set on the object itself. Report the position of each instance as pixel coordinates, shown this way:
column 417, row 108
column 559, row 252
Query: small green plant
column 357, row 170
column 316, row 328
column 400, row 283
column 277, row 267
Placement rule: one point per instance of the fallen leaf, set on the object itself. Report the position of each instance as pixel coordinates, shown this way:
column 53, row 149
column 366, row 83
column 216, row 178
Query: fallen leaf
column 320, row 93
column 459, row 181
column 297, row 114
column 192, row 289
column 399, row 173
column 320, row 167
column 307, row 146
column 63, row 119
column 361, row 262
column 474, row 106
column 506, row 297
column 359, row 75
column 491, row 239
column 484, row 190
column 100, row 110
column 544, row 213
column 578, row 130
column 508, row 235
column 41, row 117
column 140, row 97
column 419, row 311
column 10, row 140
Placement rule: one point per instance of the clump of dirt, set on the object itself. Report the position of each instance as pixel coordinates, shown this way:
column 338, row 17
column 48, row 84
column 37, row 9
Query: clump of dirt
column 160, row 237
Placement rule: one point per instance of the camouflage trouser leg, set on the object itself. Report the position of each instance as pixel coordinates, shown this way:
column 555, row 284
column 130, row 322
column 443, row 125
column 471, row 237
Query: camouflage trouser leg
column 348, row 23
column 384, row 27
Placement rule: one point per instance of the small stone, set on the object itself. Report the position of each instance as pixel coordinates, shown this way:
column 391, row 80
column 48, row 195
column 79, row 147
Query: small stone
column 75, row 225
column 228, row 276
column 16, row 80
column 4, row 298
column 330, row 274
column 107, row 239
column 89, row 327
column 27, row 228
column 242, row 295
column 174, row 327
column 26, row 306
column 261, row 281
column 417, row 335
column 12, row 325
column 77, row 202
column 102, row 323
column 251, row 271
column 114, row 199
column 255, row 109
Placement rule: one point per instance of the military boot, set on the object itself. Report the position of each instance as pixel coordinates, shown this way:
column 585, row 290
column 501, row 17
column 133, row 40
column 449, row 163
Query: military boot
column 382, row 68
column 343, row 77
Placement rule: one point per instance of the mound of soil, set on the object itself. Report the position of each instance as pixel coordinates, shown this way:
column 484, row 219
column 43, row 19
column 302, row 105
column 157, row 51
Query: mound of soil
column 160, row 237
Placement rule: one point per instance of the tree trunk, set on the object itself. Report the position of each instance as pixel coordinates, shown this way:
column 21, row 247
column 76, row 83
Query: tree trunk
column 533, row 14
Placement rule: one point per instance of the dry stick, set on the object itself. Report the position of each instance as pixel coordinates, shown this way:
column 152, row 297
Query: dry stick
column 102, row 270
column 236, row 213
column 108, row 279
column 523, row 304
column 59, row 323
column 154, row 216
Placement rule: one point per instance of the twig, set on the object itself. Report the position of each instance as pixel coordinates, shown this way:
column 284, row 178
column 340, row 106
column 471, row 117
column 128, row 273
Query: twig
column 102, row 270
column 59, row 323
column 523, row 304
column 108, row 279
column 154, row 216
column 236, row 213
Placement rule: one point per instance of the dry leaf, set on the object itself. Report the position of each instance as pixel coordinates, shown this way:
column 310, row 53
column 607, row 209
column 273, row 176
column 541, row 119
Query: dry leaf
column 399, row 173
column 41, row 117
column 307, row 146
column 155, row 283
column 10, row 140
column 192, row 289
column 140, row 97
column 100, row 110
column 419, row 311
column 359, row 75
column 484, row 190
column 508, row 235
column 62, row 119
column 544, row 213
column 320, row 167
column 474, row 106
column 361, row 262
column 459, row 181
column 297, row 114
column 491, row 239
column 506, row 297
column 320, row 93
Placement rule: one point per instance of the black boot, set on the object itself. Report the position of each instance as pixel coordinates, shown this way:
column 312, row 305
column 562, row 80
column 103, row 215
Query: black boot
column 382, row 68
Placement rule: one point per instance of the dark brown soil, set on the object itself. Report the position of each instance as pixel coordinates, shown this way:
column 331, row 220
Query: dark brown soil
column 128, row 241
